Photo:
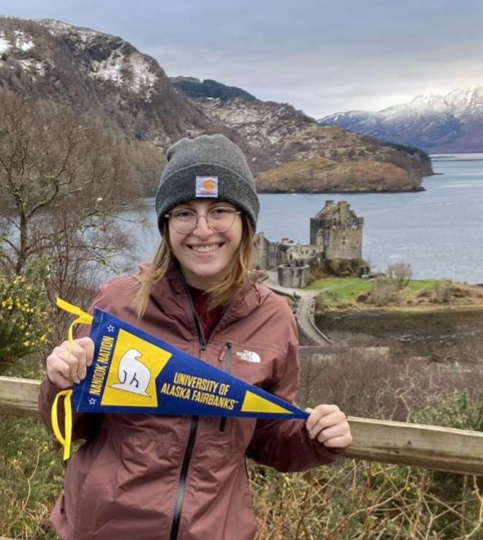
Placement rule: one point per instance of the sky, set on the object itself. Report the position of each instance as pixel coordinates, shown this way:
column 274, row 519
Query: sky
column 322, row 56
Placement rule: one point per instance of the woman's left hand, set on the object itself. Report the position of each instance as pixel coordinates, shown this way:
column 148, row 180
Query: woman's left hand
column 329, row 425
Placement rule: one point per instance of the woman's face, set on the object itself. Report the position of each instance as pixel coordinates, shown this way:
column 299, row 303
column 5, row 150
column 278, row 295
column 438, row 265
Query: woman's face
column 204, row 254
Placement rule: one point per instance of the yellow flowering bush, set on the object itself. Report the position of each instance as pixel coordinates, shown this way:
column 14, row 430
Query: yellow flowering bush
column 24, row 318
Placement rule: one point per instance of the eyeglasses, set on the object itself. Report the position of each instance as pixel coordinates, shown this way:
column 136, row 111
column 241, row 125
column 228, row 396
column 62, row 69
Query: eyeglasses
column 219, row 219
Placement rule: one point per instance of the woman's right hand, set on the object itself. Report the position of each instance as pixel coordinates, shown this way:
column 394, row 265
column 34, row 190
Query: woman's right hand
column 67, row 365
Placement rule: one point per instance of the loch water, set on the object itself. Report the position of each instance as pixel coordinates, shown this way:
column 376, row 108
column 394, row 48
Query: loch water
column 438, row 231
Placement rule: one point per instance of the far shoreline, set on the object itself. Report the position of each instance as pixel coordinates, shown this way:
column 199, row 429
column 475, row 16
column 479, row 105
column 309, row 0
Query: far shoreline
column 342, row 192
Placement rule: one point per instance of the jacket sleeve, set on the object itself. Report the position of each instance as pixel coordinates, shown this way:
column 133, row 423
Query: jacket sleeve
column 285, row 444
column 84, row 425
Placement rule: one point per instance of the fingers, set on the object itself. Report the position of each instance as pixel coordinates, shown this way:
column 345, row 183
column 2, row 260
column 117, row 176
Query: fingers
column 329, row 425
column 68, row 364
column 88, row 345
column 330, row 436
column 57, row 379
column 324, row 415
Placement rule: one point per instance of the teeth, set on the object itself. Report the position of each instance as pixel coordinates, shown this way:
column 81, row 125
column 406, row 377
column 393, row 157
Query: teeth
column 205, row 249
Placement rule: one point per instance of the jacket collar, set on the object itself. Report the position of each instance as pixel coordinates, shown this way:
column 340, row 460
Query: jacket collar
column 170, row 295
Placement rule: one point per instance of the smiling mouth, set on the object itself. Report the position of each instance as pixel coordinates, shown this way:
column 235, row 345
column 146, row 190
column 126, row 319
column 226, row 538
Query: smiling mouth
column 206, row 249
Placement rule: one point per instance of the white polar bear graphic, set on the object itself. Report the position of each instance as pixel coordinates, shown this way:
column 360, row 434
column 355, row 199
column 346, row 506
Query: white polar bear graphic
column 133, row 374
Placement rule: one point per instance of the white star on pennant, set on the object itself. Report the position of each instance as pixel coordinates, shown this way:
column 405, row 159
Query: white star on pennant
column 92, row 401
column 110, row 328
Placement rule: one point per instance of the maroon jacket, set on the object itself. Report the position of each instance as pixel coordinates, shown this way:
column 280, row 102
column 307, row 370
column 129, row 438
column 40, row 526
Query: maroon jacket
column 149, row 477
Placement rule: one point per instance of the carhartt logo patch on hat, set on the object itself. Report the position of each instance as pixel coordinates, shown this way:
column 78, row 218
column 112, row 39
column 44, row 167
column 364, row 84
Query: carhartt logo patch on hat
column 207, row 186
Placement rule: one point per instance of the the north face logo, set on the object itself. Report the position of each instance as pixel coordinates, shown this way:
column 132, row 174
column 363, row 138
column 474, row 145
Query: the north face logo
column 249, row 356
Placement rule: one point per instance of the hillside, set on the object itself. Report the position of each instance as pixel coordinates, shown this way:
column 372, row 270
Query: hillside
column 53, row 60
column 286, row 135
column 194, row 88
column 325, row 176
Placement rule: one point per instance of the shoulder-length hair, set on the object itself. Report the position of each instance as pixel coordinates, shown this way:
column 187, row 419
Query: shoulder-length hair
column 235, row 275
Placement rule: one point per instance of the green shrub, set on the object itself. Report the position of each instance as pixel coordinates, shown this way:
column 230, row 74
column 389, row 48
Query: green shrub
column 24, row 318
column 31, row 477
column 342, row 267
column 360, row 500
column 355, row 500
column 443, row 292
column 456, row 411
column 383, row 293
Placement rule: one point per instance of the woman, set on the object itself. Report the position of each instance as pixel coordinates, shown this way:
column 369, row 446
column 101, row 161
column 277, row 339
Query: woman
column 148, row 477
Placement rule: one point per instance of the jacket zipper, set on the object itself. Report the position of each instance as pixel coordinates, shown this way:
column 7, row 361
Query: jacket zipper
column 178, row 507
column 226, row 352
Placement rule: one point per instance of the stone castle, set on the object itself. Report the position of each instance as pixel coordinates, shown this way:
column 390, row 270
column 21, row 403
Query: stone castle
column 335, row 233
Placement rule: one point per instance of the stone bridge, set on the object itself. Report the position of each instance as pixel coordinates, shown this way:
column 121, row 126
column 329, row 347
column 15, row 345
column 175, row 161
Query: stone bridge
column 305, row 306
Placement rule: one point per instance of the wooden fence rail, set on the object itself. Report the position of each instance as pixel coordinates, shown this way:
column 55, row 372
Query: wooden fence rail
column 431, row 447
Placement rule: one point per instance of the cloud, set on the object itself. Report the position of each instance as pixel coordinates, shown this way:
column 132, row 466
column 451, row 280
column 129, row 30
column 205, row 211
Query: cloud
column 322, row 56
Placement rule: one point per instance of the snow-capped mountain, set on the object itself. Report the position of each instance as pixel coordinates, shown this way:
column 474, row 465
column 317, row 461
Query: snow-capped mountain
column 437, row 124
column 466, row 102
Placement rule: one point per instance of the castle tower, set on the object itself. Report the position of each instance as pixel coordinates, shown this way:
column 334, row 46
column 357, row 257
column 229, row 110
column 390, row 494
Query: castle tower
column 337, row 228
column 319, row 238
column 261, row 251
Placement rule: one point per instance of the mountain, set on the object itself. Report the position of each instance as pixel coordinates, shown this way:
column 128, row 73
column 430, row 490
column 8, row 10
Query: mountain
column 287, row 135
column 209, row 88
column 104, row 74
column 437, row 124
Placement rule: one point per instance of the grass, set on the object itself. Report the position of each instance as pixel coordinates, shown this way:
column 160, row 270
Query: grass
column 345, row 290
column 420, row 284
column 31, row 469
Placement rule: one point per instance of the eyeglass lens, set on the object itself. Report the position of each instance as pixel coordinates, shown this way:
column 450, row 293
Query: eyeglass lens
column 218, row 220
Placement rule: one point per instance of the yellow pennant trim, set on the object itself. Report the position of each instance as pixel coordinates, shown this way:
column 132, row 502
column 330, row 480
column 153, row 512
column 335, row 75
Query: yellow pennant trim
column 67, row 440
column 82, row 318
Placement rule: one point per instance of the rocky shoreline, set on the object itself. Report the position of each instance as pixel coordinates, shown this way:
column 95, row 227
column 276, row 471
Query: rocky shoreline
column 445, row 335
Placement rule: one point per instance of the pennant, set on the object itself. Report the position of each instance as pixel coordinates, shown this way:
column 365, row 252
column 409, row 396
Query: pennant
column 134, row 372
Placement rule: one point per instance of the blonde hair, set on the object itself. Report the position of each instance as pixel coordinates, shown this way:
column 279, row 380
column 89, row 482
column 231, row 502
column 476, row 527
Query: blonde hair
column 235, row 275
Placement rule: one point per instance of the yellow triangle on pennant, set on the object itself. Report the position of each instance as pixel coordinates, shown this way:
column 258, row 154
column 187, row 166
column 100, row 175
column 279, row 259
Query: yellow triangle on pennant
column 256, row 404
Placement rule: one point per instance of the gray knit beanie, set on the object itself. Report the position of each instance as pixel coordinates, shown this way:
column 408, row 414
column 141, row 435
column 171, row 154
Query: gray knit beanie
column 207, row 167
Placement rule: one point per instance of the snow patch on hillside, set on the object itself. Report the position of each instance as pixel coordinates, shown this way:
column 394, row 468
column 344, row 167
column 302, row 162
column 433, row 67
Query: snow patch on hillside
column 60, row 28
column 110, row 69
column 22, row 42
column 4, row 44
column 143, row 77
column 132, row 71
column 32, row 65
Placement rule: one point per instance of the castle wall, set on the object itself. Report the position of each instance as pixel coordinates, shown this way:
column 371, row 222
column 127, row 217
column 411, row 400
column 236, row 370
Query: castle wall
column 276, row 255
column 304, row 253
column 293, row 276
column 344, row 243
